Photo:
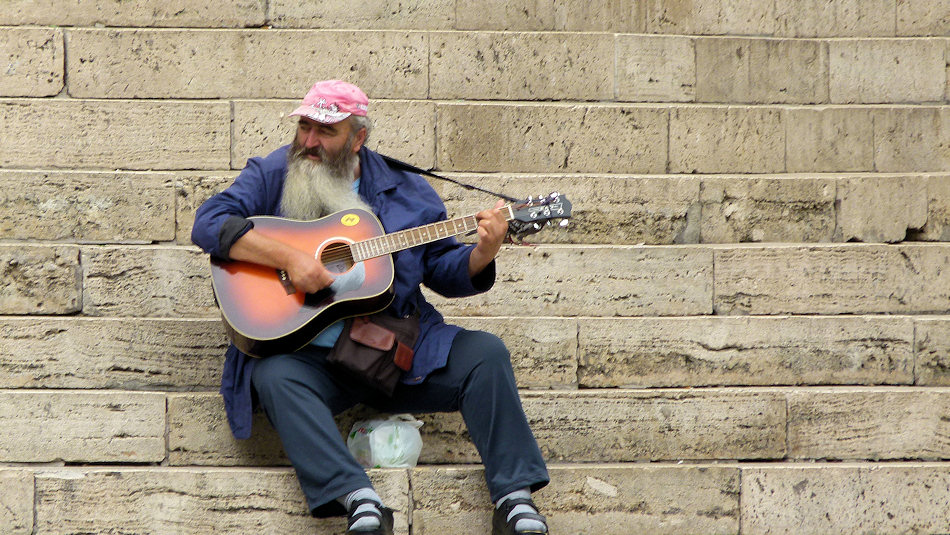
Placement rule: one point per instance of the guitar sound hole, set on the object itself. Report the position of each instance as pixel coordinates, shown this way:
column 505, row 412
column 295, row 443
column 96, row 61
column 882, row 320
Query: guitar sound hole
column 336, row 257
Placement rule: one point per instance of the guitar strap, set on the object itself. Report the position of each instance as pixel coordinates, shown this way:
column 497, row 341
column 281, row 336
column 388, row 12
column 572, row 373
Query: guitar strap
column 403, row 166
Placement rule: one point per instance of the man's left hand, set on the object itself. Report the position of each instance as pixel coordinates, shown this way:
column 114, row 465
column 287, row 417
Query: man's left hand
column 492, row 227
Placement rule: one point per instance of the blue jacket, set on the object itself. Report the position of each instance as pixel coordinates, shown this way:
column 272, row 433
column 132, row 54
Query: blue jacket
column 400, row 200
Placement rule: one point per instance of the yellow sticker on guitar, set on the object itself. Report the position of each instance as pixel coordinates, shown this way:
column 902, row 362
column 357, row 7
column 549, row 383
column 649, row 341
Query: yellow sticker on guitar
column 350, row 219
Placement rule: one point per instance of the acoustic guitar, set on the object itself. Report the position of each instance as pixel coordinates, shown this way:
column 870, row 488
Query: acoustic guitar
column 263, row 313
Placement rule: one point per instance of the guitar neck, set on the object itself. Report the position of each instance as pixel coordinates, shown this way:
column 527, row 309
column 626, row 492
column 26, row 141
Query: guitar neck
column 405, row 239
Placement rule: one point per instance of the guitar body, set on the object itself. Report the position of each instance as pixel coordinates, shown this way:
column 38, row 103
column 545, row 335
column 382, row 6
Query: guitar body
column 263, row 314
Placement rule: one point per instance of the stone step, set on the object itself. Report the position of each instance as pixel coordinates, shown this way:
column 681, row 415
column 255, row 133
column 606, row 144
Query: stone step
column 155, row 207
column 799, row 498
column 490, row 137
column 600, row 425
column 546, row 353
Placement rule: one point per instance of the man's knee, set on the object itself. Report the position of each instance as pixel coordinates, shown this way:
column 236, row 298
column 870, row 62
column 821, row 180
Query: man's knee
column 485, row 350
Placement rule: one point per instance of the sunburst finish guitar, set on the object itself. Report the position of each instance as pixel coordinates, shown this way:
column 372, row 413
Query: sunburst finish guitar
column 264, row 315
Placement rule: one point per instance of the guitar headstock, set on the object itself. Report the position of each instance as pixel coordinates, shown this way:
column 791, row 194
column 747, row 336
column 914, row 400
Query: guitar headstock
column 536, row 213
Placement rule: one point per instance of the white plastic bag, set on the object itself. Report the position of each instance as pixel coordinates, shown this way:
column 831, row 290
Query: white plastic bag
column 391, row 443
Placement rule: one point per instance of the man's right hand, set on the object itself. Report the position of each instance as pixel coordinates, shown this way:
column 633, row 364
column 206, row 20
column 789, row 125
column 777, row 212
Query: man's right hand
column 306, row 273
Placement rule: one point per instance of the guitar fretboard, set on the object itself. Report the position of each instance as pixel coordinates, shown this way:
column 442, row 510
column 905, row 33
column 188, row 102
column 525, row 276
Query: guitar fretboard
column 404, row 239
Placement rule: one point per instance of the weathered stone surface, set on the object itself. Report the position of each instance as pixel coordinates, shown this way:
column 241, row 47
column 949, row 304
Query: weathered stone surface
column 521, row 66
column 655, row 68
column 761, row 70
column 41, row 426
column 547, row 138
column 923, row 17
column 826, row 139
column 835, row 18
column 912, row 139
column 880, row 208
column 869, row 424
column 40, row 279
column 543, row 350
column 937, row 227
column 736, row 17
column 932, row 351
column 689, row 352
column 590, row 499
column 593, row 281
column 726, row 139
column 618, row 210
column 32, row 60
column 114, row 134
column 242, row 63
column 845, row 499
column 201, row 13
column 837, row 279
column 147, row 281
column 85, row 206
column 177, row 501
column 557, row 15
column 191, row 190
column 887, row 70
column 364, row 14
column 16, row 502
column 110, row 353
column 401, row 129
column 765, row 209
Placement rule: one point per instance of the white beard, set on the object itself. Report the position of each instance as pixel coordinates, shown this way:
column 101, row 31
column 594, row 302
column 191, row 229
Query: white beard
column 313, row 189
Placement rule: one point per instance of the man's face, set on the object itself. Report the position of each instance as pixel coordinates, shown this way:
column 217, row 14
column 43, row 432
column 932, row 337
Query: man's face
column 324, row 143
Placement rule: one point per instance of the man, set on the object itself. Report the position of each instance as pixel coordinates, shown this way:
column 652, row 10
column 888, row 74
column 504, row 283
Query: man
column 327, row 168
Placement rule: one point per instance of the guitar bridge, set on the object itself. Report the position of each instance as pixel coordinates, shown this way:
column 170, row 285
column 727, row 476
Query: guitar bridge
column 285, row 281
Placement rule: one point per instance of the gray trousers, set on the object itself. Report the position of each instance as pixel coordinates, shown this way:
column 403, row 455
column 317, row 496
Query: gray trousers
column 300, row 395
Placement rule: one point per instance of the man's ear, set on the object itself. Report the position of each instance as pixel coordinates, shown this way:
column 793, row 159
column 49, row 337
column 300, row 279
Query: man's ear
column 359, row 139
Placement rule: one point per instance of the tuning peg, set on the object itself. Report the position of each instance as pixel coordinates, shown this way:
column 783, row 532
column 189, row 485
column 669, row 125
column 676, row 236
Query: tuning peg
column 536, row 226
column 563, row 223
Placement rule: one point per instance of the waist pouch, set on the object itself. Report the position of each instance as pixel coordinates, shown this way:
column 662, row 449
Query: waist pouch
column 376, row 349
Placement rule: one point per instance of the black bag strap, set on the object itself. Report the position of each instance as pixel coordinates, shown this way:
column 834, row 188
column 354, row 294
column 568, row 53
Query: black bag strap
column 403, row 166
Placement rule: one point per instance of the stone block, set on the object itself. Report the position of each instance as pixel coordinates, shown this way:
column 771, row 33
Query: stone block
column 693, row 352
column 546, row 138
column 838, row 279
column 16, row 502
column 33, row 61
column 766, row 209
column 110, row 353
column 589, row 499
column 157, row 281
column 727, row 140
column 402, row 129
column 829, row 139
column 543, row 350
column 887, row 71
column 46, row 426
column 880, row 208
column 932, row 351
column 87, row 206
column 521, row 66
column 40, row 279
column 691, row 17
column 114, row 134
column 593, row 281
column 923, row 17
column 551, row 15
column 192, row 501
column 191, row 190
column 869, row 424
column 845, row 499
column 655, row 68
column 761, row 71
column 616, row 210
column 835, row 18
column 137, row 63
column 364, row 14
column 937, row 227
column 908, row 139
column 174, row 13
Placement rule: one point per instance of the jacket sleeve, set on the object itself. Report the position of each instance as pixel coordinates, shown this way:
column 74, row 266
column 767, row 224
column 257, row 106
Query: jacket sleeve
column 221, row 220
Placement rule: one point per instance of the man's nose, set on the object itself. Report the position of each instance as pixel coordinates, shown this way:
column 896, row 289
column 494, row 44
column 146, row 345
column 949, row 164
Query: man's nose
column 312, row 140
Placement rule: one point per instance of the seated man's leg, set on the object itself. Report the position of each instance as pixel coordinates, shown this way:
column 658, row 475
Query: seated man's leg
column 300, row 398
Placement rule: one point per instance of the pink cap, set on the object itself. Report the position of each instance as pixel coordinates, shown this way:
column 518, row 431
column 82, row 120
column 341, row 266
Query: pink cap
column 331, row 101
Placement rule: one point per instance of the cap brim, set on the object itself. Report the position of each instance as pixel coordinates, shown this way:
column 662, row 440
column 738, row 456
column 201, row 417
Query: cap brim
column 320, row 115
